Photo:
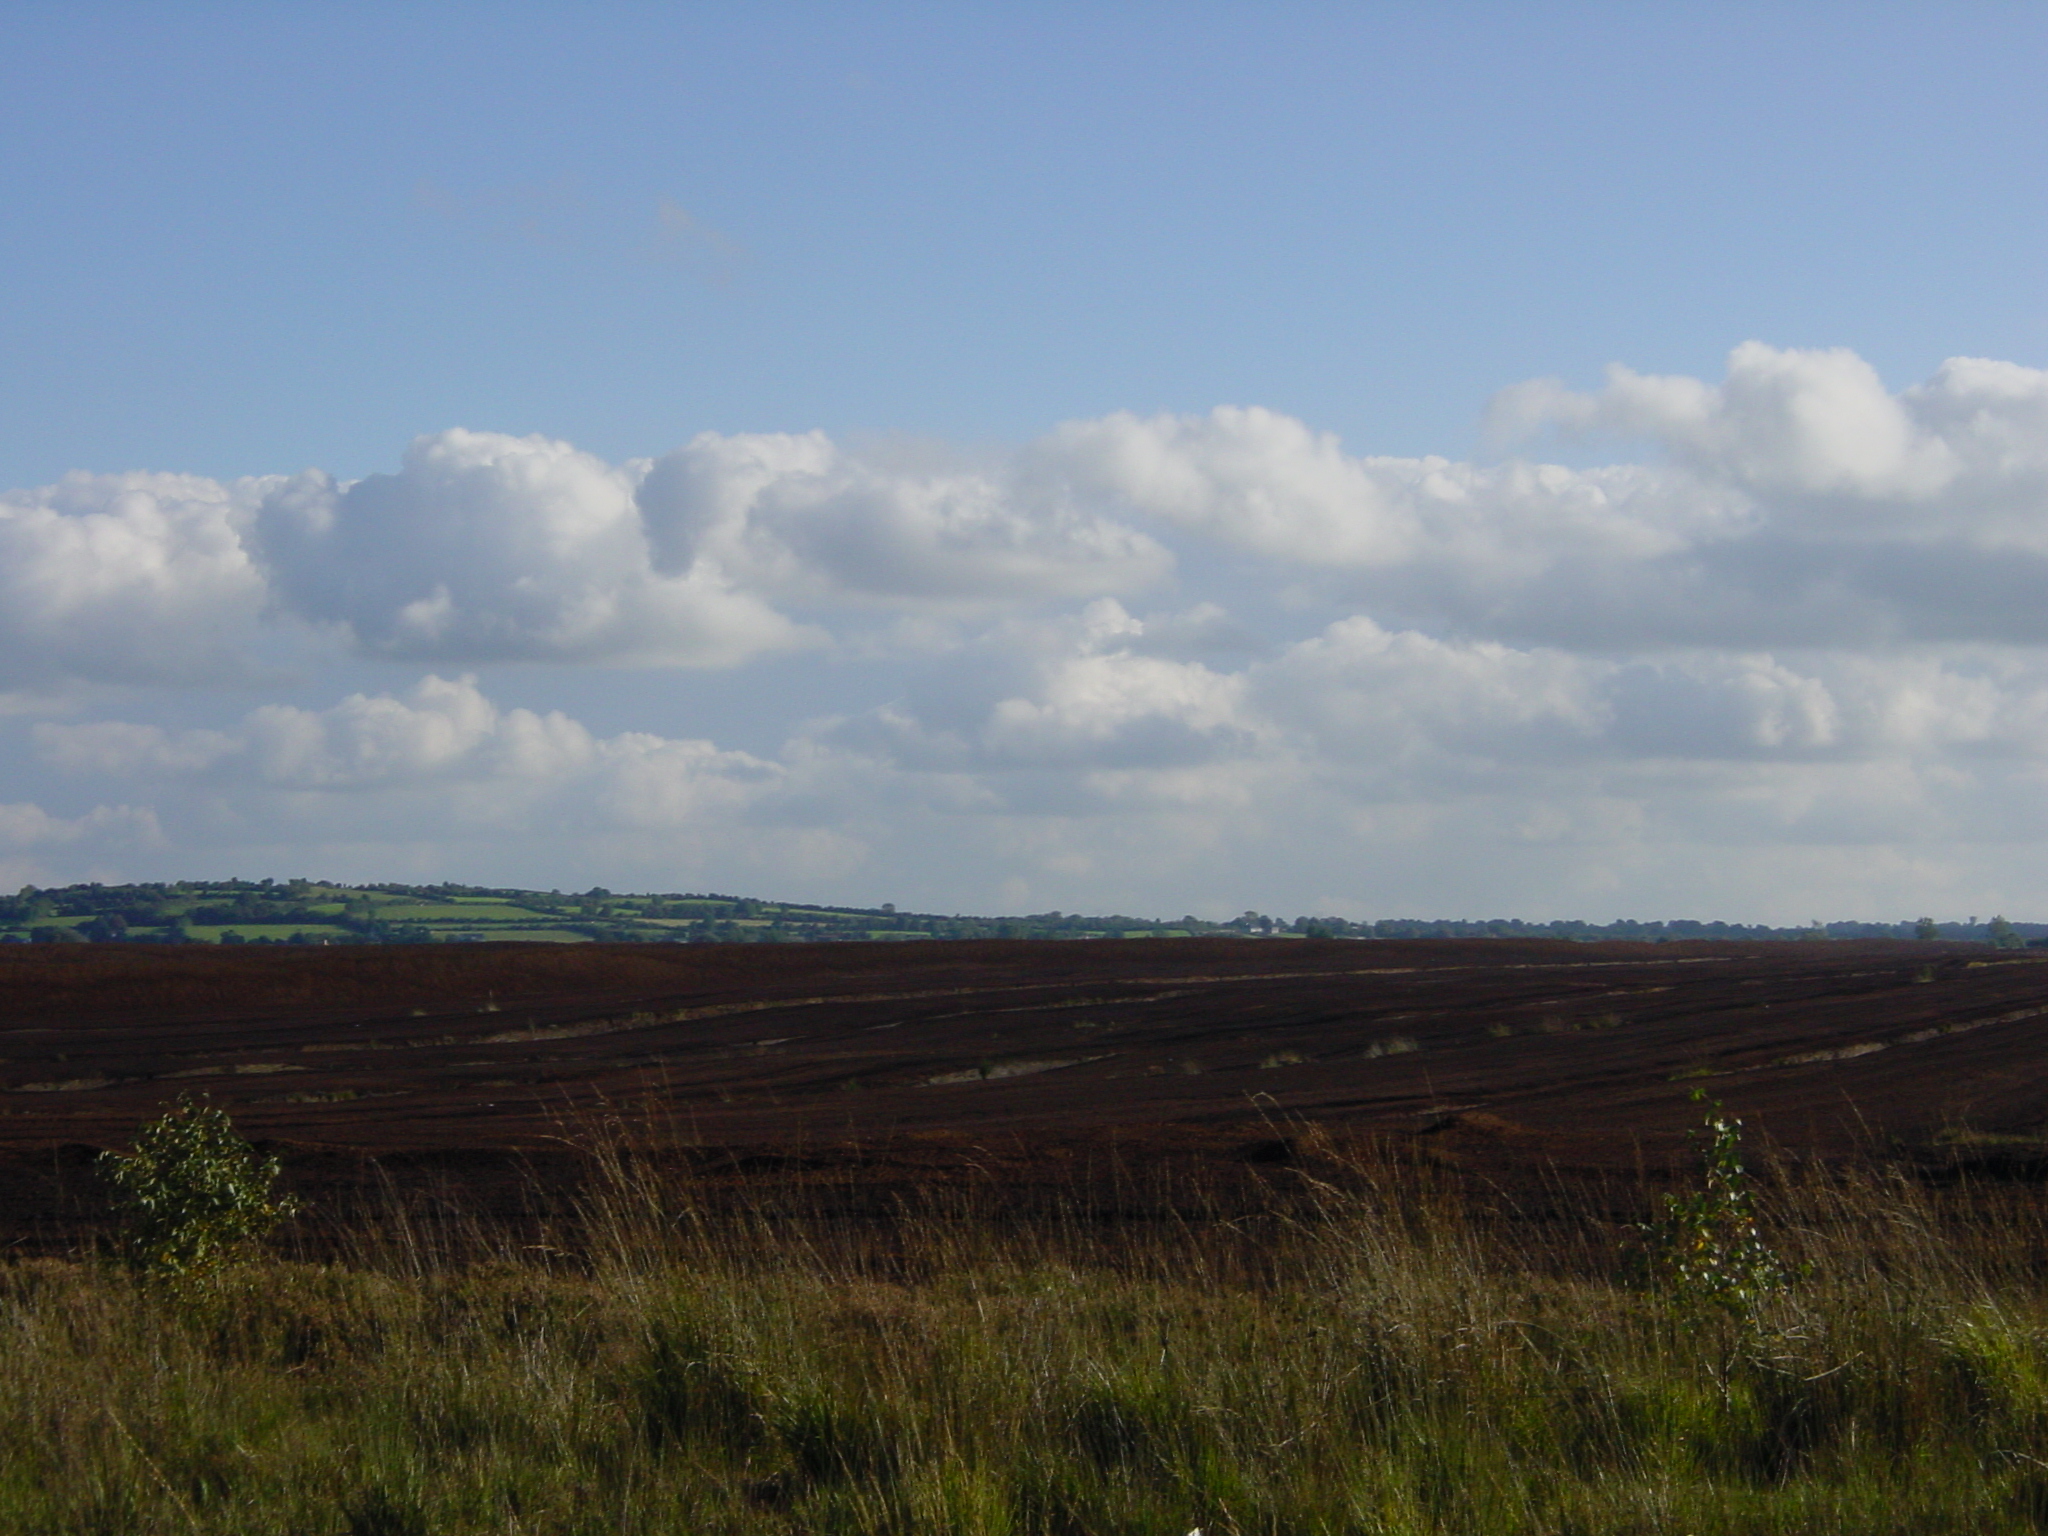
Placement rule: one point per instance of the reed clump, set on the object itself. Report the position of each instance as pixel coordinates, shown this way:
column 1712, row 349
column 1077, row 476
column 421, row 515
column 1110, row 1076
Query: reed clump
column 1376, row 1353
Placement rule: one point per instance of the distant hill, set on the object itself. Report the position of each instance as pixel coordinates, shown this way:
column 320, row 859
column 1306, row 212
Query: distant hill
column 314, row 912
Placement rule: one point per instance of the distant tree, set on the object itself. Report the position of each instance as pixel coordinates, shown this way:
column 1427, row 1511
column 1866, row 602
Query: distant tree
column 1927, row 928
column 2002, row 935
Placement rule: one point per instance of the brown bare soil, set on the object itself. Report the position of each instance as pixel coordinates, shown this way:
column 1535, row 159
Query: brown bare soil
column 894, row 1063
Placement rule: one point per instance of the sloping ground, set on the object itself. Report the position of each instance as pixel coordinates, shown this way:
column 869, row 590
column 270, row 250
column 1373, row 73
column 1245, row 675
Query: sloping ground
column 1572, row 1055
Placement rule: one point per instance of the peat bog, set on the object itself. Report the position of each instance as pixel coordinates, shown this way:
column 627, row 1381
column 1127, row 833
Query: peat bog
column 1033, row 1064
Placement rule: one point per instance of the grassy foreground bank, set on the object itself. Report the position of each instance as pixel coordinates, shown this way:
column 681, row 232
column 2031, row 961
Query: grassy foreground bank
column 1382, row 1360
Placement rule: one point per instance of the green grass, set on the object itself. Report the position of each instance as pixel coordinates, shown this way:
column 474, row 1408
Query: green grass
column 1383, row 1360
column 451, row 912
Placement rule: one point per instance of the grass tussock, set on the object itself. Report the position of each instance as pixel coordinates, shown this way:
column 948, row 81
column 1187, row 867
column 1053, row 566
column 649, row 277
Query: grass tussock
column 1380, row 1359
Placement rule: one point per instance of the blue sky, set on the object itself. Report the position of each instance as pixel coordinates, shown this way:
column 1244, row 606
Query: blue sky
column 987, row 252
column 253, row 238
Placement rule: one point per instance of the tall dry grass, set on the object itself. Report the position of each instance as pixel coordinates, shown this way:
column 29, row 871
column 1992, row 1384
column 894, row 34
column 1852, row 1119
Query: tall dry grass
column 1378, row 1356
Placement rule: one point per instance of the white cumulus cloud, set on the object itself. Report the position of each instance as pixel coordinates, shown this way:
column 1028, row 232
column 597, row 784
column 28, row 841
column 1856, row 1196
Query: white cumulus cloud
column 485, row 547
column 799, row 516
column 444, row 740
column 130, row 578
column 488, row 548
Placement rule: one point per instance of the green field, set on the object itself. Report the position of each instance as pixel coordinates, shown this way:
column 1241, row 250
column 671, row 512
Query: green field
column 456, row 912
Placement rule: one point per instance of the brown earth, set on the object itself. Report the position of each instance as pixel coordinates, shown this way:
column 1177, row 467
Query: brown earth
column 908, row 1062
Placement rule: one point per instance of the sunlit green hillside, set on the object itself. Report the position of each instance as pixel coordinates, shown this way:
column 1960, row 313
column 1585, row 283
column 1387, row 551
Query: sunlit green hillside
column 308, row 912
column 312, row 912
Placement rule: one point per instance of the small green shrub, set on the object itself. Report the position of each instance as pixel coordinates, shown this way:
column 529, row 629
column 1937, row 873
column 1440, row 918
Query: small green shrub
column 1708, row 1246
column 191, row 1193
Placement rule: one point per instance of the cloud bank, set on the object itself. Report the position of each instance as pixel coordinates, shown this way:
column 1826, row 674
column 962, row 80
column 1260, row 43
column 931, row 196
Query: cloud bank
column 1782, row 655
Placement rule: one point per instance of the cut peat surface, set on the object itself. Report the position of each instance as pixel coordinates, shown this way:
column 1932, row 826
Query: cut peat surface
column 1568, row 1055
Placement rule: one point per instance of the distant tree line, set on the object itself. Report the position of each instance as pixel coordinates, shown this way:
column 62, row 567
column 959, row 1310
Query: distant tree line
column 168, row 913
column 1996, row 932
